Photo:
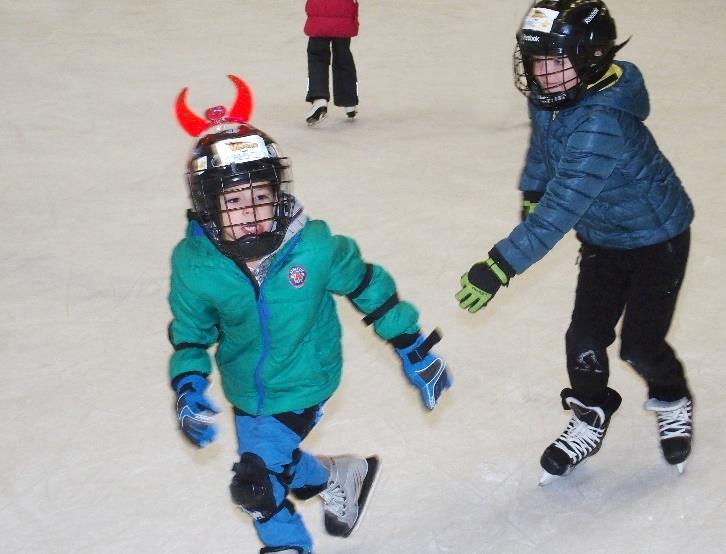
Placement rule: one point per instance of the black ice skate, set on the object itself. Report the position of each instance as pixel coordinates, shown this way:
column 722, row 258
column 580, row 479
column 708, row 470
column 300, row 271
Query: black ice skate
column 675, row 427
column 349, row 486
column 318, row 112
column 282, row 550
column 581, row 438
column 351, row 112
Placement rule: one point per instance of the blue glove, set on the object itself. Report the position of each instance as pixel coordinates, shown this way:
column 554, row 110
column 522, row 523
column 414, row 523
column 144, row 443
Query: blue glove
column 193, row 407
column 425, row 369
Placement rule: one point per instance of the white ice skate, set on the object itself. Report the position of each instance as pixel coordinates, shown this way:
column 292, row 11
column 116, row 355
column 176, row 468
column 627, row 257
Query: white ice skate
column 350, row 484
column 318, row 112
column 675, row 427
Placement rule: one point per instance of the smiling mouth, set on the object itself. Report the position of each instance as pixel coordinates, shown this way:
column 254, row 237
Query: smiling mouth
column 241, row 230
column 251, row 229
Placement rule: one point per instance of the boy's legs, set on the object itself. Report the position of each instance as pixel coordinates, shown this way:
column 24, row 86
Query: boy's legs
column 270, row 463
column 318, row 68
column 602, row 288
column 644, row 283
column 599, row 299
column 658, row 274
column 309, row 478
column 345, row 79
column 657, row 278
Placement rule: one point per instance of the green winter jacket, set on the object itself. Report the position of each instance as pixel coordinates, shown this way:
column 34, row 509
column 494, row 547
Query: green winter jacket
column 278, row 344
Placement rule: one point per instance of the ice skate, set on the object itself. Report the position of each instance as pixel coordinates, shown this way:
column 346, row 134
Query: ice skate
column 581, row 438
column 351, row 112
column 675, row 427
column 282, row 550
column 350, row 483
column 318, row 112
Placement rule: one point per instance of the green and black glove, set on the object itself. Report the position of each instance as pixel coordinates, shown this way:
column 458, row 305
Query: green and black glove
column 482, row 281
column 530, row 199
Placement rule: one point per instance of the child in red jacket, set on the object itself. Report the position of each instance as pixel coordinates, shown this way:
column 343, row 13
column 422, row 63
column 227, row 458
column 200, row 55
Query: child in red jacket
column 330, row 25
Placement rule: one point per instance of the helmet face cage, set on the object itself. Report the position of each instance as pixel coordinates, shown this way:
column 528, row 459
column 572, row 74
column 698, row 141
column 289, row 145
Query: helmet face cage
column 563, row 47
column 241, row 193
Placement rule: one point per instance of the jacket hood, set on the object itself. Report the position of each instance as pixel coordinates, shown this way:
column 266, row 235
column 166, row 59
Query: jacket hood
column 628, row 94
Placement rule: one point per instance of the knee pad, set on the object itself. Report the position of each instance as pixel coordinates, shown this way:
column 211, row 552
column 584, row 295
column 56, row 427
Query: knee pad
column 584, row 353
column 592, row 361
column 587, row 366
column 251, row 487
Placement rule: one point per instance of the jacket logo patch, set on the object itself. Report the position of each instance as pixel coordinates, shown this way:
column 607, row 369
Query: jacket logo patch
column 297, row 275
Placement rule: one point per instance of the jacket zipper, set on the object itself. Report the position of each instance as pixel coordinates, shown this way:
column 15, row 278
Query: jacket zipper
column 263, row 314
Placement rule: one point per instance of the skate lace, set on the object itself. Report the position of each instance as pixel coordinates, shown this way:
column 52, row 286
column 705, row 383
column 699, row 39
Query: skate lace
column 675, row 423
column 579, row 439
column 334, row 499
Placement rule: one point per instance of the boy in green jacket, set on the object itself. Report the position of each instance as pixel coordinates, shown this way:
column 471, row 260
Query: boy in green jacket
column 256, row 277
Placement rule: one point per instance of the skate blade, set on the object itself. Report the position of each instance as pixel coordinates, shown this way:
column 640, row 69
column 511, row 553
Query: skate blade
column 681, row 468
column 369, row 483
column 313, row 121
column 547, row 478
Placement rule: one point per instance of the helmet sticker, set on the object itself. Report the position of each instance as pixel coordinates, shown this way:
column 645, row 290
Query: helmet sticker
column 272, row 149
column 199, row 164
column 297, row 275
column 540, row 19
column 590, row 17
column 240, row 150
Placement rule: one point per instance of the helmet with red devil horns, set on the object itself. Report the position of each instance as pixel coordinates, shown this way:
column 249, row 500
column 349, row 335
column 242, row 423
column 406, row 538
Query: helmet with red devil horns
column 240, row 111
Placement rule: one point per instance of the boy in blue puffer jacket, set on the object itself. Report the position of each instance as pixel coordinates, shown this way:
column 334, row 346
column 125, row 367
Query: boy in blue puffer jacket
column 255, row 277
column 592, row 165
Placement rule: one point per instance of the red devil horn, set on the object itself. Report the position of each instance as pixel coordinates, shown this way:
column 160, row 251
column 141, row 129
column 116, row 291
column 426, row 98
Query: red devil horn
column 190, row 122
column 242, row 108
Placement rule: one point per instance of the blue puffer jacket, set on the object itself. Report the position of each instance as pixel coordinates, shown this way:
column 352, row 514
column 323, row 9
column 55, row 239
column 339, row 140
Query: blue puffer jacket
column 601, row 173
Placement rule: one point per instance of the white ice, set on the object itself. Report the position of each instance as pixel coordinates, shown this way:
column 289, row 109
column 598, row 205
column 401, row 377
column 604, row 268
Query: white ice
column 93, row 200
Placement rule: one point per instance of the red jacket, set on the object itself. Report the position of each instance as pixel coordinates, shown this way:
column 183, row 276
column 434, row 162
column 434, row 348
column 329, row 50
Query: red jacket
column 331, row 18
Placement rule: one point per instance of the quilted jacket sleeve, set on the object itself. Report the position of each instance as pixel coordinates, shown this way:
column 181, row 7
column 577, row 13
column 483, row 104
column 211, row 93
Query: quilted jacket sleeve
column 534, row 173
column 591, row 154
column 192, row 330
column 371, row 290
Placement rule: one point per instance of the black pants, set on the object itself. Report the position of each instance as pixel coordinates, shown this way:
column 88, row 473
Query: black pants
column 641, row 285
column 345, row 80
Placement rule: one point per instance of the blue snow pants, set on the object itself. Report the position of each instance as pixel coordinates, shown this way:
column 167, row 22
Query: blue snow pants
column 276, row 440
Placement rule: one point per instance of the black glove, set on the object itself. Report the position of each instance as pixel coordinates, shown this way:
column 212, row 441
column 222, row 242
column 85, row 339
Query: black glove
column 530, row 199
column 482, row 281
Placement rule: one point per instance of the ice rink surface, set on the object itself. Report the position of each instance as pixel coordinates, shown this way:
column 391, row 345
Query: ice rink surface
column 93, row 198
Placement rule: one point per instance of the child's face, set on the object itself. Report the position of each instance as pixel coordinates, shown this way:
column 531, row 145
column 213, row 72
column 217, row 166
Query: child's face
column 247, row 210
column 554, row 73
